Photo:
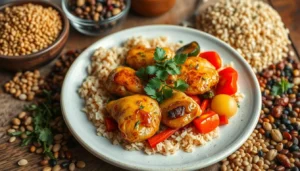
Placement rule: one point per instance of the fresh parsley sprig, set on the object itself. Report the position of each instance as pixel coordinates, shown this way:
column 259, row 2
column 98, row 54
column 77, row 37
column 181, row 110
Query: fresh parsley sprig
column 157, row 88
column 281, row 87
column 42, row 114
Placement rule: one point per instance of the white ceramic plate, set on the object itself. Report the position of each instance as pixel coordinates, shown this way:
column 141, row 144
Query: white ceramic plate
column 232, row 136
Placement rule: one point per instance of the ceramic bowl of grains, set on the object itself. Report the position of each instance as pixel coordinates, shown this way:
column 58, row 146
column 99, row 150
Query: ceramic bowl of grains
column 32, row 33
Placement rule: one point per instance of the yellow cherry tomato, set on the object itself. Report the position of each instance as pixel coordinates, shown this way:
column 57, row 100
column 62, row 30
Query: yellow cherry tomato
column 224, row 104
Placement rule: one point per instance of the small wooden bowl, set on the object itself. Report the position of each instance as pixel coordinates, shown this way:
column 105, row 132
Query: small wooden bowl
column 151, row 8
column 26, row 62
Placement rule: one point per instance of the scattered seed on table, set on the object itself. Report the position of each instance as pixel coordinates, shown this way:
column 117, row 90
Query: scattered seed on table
column 16, row 121
column 56, row 168
column 32, row 149
column 44, row 162
column 80, row 164
column 12, row 139
column 39, row 151
column 47, row 168
column 22, row 162
column 56, row 147
column 72, row 167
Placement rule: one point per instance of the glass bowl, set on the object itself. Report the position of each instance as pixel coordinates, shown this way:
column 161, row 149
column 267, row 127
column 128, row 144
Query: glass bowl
column 91, row 27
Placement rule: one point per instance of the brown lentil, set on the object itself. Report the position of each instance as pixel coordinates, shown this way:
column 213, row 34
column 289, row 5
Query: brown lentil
column 17, row 38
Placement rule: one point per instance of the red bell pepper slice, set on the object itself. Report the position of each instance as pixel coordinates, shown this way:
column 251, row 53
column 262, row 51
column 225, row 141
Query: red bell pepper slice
column 207, row 122
column 110, row 124
column 160, row 137
column 204, row 105
column 213, row 58
column 196, row 99
column 223, row 120
column 227, row 82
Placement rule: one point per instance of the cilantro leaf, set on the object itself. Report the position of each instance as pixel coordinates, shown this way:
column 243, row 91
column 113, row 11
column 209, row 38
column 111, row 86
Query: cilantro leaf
column 180, row 58
column 281, row 87
column 181, row 85
column 141, row 73
column 167, row 92
column 162, row 74
column 150, row 91
column 46, row 135
column 27, row 141
column 155, row 83
column 151, row 70
column 159, row 54
column 173, row 69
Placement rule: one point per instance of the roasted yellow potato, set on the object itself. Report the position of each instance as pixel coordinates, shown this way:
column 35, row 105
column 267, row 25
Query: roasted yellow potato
column 122, row 81
column 179, row 110
column 199, row 74
column 138, row 116
column 139, row 56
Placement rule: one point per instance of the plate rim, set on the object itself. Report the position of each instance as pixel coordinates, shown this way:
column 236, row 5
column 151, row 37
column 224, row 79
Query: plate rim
column 236, row 144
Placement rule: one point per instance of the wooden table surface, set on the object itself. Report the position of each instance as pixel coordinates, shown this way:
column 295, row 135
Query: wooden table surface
column 10, row 153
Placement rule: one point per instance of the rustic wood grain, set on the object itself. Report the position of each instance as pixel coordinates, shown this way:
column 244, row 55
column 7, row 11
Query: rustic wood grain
column 10, row 153
column 289, row 11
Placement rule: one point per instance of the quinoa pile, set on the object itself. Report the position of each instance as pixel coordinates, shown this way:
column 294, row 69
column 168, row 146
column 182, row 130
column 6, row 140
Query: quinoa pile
column 253, row 28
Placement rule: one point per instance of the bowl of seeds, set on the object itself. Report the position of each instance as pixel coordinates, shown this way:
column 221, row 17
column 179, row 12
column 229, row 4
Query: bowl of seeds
column 95, row 17
column 32, row 33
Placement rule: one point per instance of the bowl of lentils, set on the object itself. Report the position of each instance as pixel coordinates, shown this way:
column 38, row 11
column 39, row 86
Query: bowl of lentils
column 95, row 17
column 32, row 33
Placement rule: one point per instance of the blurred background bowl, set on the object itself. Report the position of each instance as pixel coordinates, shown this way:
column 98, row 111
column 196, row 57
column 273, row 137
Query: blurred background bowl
column 91, row 27
column 152, row 8
column 26, row 62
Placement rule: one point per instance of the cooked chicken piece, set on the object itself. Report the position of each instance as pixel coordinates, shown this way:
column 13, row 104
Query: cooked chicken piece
column 138, row 116
column 179, row 110
column 139, row 56
column 200, row 74
column 122, row 81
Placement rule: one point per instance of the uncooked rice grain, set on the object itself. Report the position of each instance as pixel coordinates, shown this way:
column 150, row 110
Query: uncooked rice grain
column 96, row 97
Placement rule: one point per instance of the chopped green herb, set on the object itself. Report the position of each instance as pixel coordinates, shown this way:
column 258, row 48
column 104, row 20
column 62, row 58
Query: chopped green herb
column 238, row 105
column 18, row 133
column 141, row 107
column 281, row 87
column 180, row 41
column 208, row 95
column 136, row 124
column 142, row 54
column 157, row 87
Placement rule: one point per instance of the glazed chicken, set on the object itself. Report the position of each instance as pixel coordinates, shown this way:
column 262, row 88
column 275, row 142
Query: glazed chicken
column 199, row 74
column 138, row 116
column 179, row 110
column 122, row 81
column 140, row 56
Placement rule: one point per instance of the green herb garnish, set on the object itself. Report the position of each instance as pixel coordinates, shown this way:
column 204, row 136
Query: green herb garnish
column 141, row 107
column 208, row 95
column 157, row 87
column 42, row 114
column 281, row 87
column 136, row 124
